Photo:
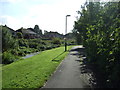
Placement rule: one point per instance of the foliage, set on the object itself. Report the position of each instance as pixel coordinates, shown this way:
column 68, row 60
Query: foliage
column 8, row 42
column 23, row 42
column 37, row 30
column 19, row 35
column 8, row 58
column 99, row 29
column 19, row 46
column 56, row 41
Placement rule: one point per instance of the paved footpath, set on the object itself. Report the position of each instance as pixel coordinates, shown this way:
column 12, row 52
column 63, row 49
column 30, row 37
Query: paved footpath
column 68, row 74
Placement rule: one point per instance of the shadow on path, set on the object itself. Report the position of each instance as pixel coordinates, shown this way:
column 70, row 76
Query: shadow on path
column 55, row 59
column 87, row 70
column 78, row 51
column 73, row 72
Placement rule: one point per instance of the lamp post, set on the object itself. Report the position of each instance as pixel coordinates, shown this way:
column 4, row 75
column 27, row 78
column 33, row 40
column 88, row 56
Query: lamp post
column 66, row 33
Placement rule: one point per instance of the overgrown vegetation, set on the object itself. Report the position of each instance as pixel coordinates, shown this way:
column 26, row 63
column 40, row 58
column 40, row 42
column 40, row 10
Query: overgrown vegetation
column 99, row 29
column 34, row 71
column 15, row 46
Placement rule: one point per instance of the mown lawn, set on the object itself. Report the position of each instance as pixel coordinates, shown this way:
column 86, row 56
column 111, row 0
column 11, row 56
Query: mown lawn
column 32, row 72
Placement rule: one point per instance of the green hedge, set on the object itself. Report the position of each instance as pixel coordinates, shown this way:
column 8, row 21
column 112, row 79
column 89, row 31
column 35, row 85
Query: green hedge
column 99, row 28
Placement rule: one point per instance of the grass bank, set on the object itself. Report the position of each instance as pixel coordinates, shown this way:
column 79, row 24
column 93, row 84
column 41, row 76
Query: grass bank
column 34, row 71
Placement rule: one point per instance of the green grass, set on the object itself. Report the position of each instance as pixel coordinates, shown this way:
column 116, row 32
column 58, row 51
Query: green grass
column 32, row 72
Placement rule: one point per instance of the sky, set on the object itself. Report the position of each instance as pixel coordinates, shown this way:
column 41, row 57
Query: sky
column 48, row 14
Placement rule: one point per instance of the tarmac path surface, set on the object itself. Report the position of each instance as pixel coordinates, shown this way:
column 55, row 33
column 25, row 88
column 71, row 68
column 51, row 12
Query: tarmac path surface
column 68, row 74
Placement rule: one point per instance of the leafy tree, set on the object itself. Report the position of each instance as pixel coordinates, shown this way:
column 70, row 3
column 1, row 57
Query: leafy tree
column 40, row 32
column 8, row 42
column 45, row 31
column 77, row 36
column 98, row 26
column 37, row 30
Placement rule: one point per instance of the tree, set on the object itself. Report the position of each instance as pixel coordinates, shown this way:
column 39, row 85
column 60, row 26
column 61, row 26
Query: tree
column 37, row 30
column 8, row 42
column 99, row 28
column 45, row 31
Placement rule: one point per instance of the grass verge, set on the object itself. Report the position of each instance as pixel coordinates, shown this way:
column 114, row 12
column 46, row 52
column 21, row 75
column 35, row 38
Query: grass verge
column 34, row 71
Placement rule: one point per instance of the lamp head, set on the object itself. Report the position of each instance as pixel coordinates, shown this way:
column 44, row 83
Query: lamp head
column 68, row 15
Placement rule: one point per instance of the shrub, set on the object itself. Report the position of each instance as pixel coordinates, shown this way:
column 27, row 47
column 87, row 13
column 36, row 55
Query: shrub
column 48, row 47
column 14, row 51
column 19, row 35
column 23, row 42
column 56, row 41
column 99, row 27
column 41, row 47
column 7, row 58
column 21, row 53
column 33, row 45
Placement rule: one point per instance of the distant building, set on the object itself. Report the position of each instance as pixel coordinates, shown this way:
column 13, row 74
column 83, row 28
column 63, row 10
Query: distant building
column 51, row 35
column 28, row 33
column 69, row 36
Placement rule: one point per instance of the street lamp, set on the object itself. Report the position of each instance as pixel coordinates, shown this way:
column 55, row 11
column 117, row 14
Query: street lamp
column 66, row 33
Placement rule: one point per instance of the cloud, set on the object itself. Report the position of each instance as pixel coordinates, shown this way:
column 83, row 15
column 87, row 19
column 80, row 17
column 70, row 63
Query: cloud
column 52, row 17
column 49, row 16
column 10, row 21
column 2, row 20
column 10, row 1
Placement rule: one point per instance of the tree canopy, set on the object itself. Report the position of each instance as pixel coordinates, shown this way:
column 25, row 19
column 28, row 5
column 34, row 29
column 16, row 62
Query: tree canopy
column 99, row 29
column 8, row 42
column 37, row 30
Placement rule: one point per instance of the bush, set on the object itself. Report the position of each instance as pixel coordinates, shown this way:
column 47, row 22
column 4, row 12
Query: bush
column 19, row 35
column 56, row 41
column 48, row 47
column 8, row 58
column 14, row 51
column 23, row 43
column 21, row 53
column 99, row 27
column 41, row 47
column 33, row 45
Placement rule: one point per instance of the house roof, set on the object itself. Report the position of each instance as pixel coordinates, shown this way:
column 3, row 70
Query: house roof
column 26, row 31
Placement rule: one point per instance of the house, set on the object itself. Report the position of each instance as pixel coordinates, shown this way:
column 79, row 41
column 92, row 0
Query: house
column 28, row 33
column 69, row 36
column 51, row 35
